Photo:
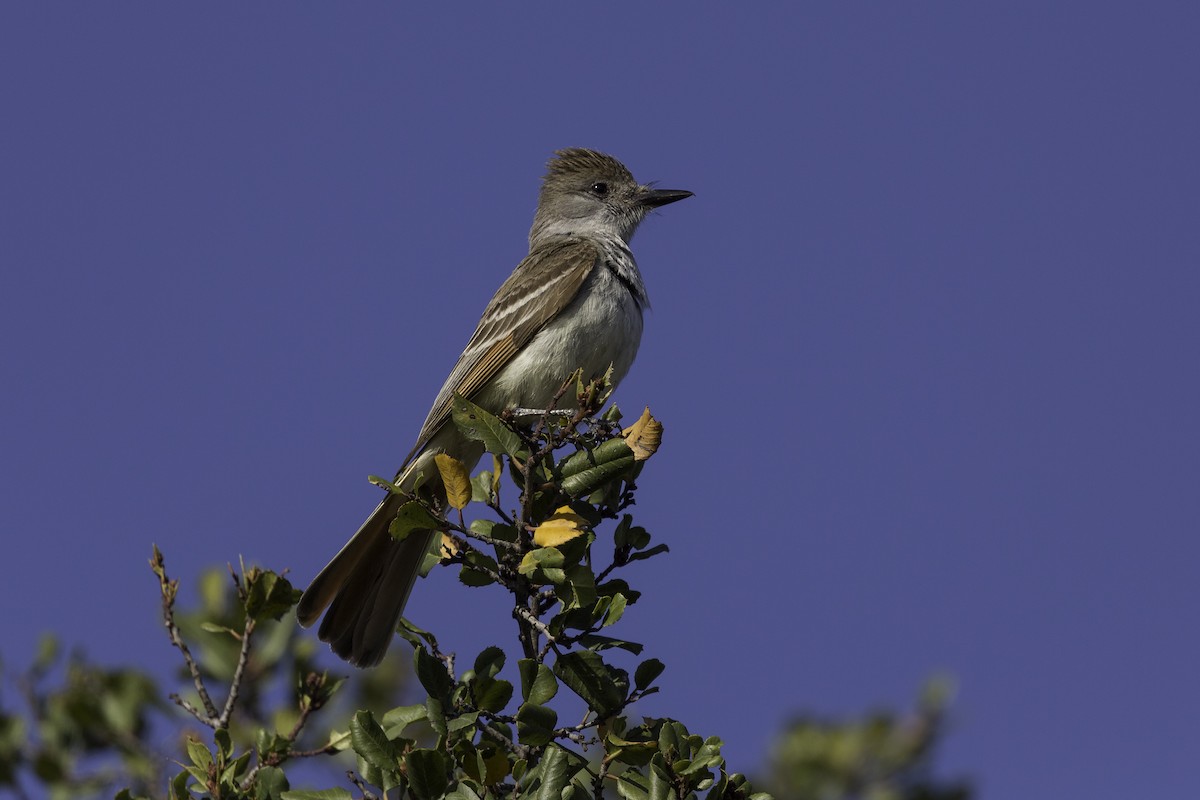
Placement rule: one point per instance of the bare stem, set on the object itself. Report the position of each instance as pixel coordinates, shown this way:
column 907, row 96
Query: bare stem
column 235, row 685
column 169, row 589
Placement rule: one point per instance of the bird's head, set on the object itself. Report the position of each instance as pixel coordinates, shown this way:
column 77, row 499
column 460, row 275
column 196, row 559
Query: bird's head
column 587, row 193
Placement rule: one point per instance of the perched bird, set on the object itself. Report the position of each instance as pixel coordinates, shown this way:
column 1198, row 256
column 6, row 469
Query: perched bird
column 575, row 302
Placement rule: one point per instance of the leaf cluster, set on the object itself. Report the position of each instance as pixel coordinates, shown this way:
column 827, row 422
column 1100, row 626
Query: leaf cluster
column 883, row 756
column 84, row 733
column 551, row 531
column 498, row 733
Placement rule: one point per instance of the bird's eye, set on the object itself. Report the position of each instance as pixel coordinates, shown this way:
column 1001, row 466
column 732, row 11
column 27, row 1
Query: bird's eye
column 599, row 188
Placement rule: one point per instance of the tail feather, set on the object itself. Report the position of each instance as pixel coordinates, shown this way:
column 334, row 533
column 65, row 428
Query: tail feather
column 365, row 588
column 377, row 622
column 330, row 581
column 367, row 583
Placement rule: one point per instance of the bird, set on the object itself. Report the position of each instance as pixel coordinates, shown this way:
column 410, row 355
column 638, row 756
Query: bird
column 575, row 302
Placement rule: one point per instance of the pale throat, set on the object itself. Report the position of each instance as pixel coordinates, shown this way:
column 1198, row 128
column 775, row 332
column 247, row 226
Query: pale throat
column 601, row 228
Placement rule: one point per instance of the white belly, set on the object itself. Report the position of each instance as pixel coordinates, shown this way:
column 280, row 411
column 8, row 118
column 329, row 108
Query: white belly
column 601, row 327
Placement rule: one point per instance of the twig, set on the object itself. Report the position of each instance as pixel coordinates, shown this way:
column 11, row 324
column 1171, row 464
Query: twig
column 520, row 750
column 500, row 512
column 598, row 781
column 490, row 540
column 235, row 685
column 311, row 701
column 362, row 787
column 169, row 588
column 575, row 732
column 528, row 616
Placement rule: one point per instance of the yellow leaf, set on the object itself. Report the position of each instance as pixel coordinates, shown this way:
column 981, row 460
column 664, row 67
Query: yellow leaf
column 496, row 766
column 561, row 526
column 449, row 547
column 644, row 436
column 456, row 479
column 497, row 469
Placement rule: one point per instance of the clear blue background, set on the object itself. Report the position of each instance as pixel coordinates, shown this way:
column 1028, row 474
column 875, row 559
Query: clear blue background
column 925, row 341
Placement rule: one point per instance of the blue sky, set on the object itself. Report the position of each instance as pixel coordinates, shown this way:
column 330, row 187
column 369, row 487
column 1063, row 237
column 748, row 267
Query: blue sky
column 925, row 341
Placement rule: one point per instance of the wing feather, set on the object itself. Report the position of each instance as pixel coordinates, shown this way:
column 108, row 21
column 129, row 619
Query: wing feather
column 542, row 285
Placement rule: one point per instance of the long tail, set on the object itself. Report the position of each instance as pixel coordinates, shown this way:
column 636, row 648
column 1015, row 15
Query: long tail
column 365, row 587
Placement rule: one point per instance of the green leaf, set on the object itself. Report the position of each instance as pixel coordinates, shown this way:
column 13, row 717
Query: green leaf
column 371, row 743
column 578, row 590
column 541, row 558
column 481, row 426
column 462, row 722
column 594, row 641
column 270, row 783
column 491, row 694
column 660, row 779
column 629, row 535
column 199, row 753
column 617, row 586
column 395, row 721
column 390, row 486
column 538, row 685
column 432, row 674
column 481, row 560
column 436, row 715
column 587, row 459
column 322, row 794
column 615, row 610
column 236, row 768
column 644, row 554
column 496, row 530
column 468, row 576
column 543, row 565
column 481, row 487
column 647, row 671
column 412, row 516
column 535, row 724
column 586, row 674
column 224, row 742
column 632, row 786
column 490, row 661
column 270, row 596
column 482, row 527
column 415, row 635
column 553, row 772
column 468, row 759
column 338, row 740
column 427, row 779
column 668, row 740
column 179, row 786
column 587, row 471
column 633, row 751
column 47, row 653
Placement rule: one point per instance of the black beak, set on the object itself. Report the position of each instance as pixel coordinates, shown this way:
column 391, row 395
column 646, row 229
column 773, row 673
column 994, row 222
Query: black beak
column 653, row 198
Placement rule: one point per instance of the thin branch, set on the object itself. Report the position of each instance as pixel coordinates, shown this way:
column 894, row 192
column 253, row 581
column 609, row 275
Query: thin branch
column 235, row 685
column 189, row 708
column 528, row 616
column 500, row 512
column 490, row 540
column 519, row 750
column 169, row 588
column 308, row 704
column 362, row 787
column 598, row 781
